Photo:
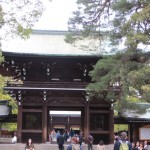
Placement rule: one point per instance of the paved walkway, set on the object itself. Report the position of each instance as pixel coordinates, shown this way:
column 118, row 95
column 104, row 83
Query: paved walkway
column 47, row 146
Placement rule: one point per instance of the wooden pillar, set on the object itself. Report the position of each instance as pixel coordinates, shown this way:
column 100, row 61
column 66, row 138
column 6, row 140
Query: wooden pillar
column 44, row 123
column 86, row 122
column 19, row 124
column 129, row 132
column 135, row 128
column 51, row 123
column 111, row 126
column 82, row 121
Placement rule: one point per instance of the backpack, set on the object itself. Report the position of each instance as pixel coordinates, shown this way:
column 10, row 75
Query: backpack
column 124, row 145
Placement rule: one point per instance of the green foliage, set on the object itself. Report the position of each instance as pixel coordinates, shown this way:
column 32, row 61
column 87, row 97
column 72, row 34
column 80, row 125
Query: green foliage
column 10, row 126
column 124, row 22
column 18, row 17
column 24, row 33
column 131, row 75
column 1, row 57
column 70, row 39
column 1, row 17
column 12, row 103
column 120, row 127
column 5, row 96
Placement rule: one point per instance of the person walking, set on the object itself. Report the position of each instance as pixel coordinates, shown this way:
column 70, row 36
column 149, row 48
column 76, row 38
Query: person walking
column 66, row 136
column 71, row 134
column 60, row 141
column 123, row 143
column 90, row 140
column 81, row 138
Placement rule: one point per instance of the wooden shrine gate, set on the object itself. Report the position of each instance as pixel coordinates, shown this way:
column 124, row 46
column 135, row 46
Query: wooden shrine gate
column 44, row 83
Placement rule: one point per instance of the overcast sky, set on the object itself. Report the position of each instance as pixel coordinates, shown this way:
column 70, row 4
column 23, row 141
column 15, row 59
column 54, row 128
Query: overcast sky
column 56, row 14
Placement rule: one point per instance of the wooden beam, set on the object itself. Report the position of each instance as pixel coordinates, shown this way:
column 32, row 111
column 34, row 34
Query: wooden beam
column 31, row 131
column 99, row 111
column 100, row 104
column 32, row 110
column 99, row 132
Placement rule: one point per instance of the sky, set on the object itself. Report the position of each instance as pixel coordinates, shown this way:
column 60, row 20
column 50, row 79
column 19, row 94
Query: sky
column 56, row 14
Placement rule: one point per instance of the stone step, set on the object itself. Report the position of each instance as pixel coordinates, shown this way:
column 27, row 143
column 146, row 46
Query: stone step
column 47, row 146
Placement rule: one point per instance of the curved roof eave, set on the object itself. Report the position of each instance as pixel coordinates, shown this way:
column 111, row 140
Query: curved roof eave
column 16, row 54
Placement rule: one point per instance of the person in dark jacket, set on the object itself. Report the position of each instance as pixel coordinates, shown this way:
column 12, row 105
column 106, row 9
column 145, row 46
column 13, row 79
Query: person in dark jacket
column 122, row 140
column 66, row 136
column 71, row 134
column 60, row 142
column 90, row 140
column 80, row 138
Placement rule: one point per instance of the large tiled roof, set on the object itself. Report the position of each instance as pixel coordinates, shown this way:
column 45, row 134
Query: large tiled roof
column 43, row 42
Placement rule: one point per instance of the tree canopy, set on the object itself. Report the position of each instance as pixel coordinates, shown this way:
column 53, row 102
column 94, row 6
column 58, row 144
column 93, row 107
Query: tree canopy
column 121, row 81
column 123, row 21
column 18, row 17
column 125, row 25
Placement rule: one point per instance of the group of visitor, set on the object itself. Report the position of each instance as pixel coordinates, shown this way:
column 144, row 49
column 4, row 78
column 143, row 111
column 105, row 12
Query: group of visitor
column 53, row 135
column 76, row 144
column 122, row 143
column 75, row 141
column 140, row 145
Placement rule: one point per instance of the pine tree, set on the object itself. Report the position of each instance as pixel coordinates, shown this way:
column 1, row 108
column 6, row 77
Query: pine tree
column 123, row 21
column 123, row 78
